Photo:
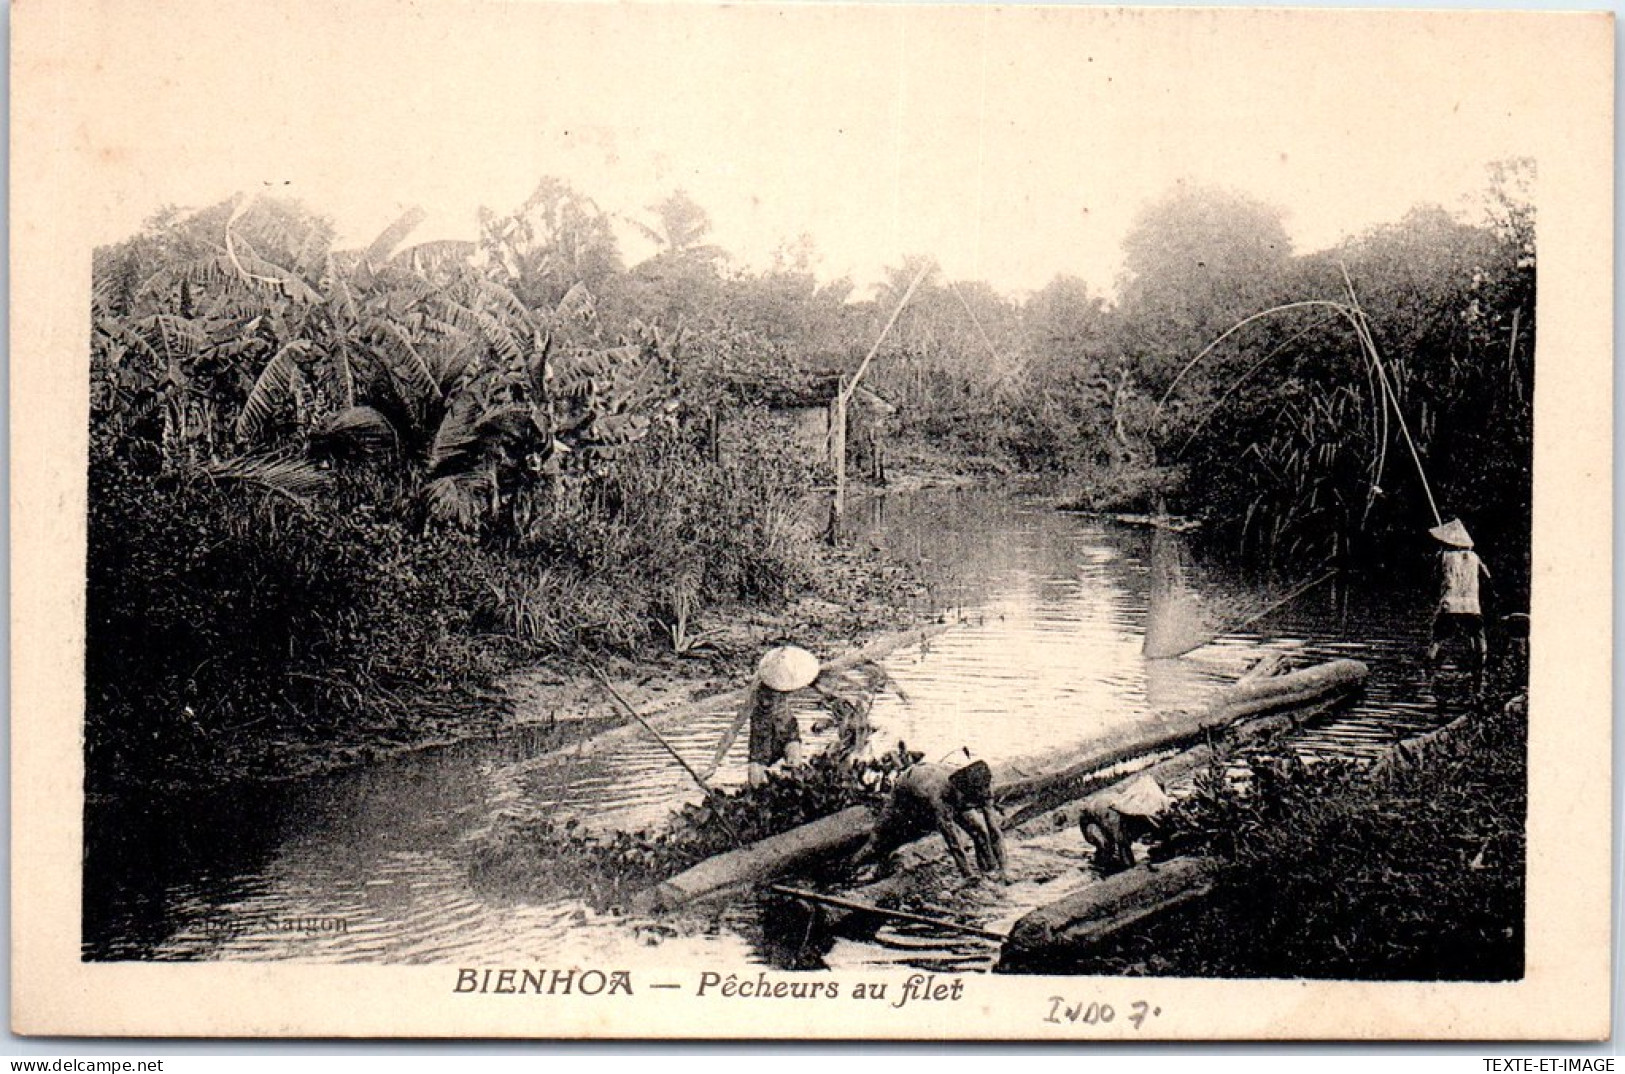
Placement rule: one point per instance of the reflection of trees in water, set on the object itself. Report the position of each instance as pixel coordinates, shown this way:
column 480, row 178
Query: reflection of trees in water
column 961, row 541
column 144, row 855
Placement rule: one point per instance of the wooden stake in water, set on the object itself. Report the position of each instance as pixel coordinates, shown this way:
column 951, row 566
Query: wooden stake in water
column 843, row 398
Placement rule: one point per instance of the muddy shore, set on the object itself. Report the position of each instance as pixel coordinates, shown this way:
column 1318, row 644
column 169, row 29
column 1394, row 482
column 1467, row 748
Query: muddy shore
column 857, row 594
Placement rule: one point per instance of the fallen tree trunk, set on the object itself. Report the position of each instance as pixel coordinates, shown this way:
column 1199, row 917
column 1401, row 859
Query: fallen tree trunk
column 1086, row 917
column 1023, row 779
column 684, row 711
column 784, row 853
column 760, row 861
column 1171, row 769
column 1414, row 750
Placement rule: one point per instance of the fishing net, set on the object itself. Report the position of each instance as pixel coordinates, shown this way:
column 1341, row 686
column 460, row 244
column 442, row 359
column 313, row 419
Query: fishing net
column 1178, row 619
column 1186, row 610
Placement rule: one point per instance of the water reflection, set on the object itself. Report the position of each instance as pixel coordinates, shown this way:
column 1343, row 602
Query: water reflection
column 1047, row 656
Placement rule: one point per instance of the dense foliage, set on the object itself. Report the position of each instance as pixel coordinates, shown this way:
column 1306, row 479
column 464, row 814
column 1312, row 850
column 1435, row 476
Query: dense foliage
column 332, row 490
column 1415, row 872
column 1274, row 395
column 324, row 476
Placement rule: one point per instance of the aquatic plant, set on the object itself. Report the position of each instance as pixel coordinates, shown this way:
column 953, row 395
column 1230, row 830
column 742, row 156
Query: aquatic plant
column 546, row 858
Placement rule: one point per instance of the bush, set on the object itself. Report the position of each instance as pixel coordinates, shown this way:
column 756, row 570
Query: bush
column 685, row 526
column 215, row 607
column 1416, row 873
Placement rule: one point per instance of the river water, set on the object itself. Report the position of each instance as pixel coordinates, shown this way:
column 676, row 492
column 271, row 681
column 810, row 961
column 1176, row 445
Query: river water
column 372, row 865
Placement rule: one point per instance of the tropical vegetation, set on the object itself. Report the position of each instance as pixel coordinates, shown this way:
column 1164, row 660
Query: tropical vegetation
column 334, row 491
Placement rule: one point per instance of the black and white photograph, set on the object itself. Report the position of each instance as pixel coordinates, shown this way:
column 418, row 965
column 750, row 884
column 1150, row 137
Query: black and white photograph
column 808, row 521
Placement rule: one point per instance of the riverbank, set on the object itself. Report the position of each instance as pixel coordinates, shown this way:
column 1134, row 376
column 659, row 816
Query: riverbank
column 256, row 642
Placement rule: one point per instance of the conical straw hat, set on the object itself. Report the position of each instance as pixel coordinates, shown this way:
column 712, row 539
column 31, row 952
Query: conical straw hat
column 1453, row 533
column 787, row 668
column 1143, row 798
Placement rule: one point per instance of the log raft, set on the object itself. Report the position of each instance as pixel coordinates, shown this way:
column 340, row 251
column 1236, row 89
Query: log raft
column 1095, row 790
column 1073, row 924
column 799, row 847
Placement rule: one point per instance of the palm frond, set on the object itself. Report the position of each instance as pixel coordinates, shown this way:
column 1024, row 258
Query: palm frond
column 342, row 297
column 392, row 236
column 615, row 430
column 459, row 499
column 436, row 255
column 277, row 382
column 356, row 432
column 576, row 372
column 576, row 305
column 403, row 360
column 470, row 434
column 294, row 478
column 250, row 266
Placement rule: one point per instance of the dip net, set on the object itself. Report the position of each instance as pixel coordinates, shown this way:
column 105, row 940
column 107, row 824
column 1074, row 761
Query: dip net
column 1178, row 618
column 1185, row 611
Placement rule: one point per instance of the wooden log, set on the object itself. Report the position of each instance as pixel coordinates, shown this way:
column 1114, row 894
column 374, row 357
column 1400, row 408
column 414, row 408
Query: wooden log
column 682, row 712
column 1024, row 778
column 1172, row 769
column 1414, row 750
column 760, row 861
column 784, row 853
column 1092, row 914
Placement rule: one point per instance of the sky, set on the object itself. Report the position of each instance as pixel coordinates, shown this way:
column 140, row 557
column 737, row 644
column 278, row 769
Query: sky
column 1011, row 143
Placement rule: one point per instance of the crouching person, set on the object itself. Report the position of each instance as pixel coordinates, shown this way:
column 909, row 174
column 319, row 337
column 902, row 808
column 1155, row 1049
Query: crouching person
column 953, row 801
column 775, row 734
column 1113, row 822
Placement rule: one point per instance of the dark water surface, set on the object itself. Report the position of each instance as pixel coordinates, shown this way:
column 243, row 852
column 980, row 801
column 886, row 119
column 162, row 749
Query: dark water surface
column 372, row 865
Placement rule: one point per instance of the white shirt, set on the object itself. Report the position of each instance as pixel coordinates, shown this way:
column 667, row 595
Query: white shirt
column 1461, row 571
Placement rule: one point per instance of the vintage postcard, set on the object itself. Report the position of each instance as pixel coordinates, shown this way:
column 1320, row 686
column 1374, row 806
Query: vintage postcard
column 808, row 521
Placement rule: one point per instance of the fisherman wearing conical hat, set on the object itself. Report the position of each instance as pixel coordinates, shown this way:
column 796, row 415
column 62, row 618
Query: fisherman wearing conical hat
column 1459, row 613
column 775, row 734
column 1113, row 822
